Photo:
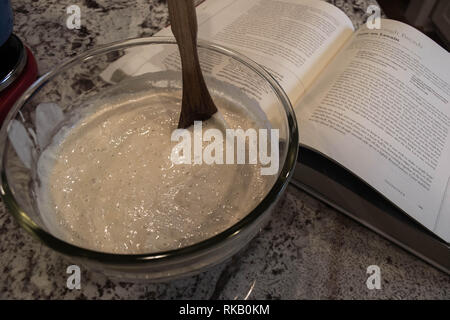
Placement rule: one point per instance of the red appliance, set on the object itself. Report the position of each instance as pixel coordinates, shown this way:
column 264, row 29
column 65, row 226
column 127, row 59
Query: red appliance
column 18, row 71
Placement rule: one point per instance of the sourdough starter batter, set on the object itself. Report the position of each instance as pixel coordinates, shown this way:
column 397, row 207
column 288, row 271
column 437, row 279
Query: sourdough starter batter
column 110, row 185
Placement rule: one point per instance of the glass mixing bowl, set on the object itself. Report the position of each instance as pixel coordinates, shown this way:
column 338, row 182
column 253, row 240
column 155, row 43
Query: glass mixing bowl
column 130, row 67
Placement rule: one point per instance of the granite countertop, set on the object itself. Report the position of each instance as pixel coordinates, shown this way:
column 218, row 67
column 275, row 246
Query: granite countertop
column 307, row 251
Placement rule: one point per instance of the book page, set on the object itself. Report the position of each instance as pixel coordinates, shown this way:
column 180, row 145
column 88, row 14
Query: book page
column 293, row 39
column 382, row 110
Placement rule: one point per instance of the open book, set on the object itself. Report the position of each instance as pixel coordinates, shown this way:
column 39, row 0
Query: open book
column 375, row 102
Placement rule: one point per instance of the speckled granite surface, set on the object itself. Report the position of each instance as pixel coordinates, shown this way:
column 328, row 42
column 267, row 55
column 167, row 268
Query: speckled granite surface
column 307, row 251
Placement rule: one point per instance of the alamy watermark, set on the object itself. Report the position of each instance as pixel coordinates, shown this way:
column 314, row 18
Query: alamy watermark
column 74, row 19
column 74, row 280
column 374, row 20
column 236, row 146
column 374, row 280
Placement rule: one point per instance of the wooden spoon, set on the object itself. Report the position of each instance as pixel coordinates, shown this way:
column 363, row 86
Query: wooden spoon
column 197, row 103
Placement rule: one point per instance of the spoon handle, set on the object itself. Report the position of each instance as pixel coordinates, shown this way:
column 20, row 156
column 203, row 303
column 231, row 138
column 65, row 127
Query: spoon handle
column 183, row 21
column 197, row 103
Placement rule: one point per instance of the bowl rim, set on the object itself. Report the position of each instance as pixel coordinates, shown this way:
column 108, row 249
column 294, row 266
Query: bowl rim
column 72, row 250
